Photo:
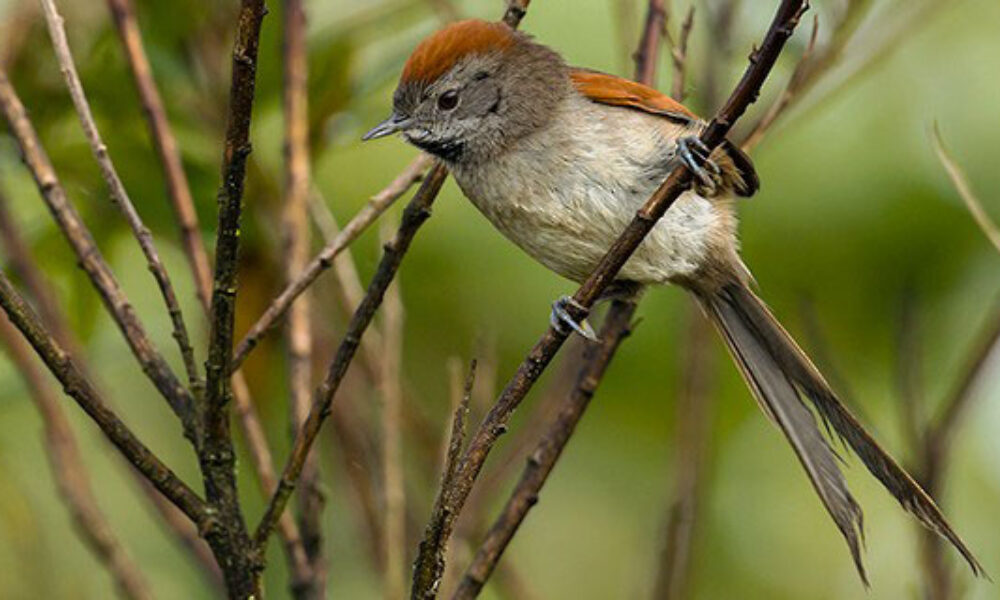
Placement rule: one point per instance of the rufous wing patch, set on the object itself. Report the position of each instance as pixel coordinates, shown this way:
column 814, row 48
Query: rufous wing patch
column 616, row 91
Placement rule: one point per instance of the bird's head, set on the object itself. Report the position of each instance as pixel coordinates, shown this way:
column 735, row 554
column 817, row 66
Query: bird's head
column 472, row 88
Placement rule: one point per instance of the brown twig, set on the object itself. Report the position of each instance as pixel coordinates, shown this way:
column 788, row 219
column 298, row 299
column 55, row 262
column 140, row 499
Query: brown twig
column 178, row 190
column 324, row 260
column 233, row 548
column 679, row 55
column 92, row 262
column 516, row 9
column 393, row 484
column 695, row 409
column 77, row 387
column 71, row 475
column 309, row 577
column 616, row 327
column 417, row 211
column 647, row 56
column 746, row 91
column 427, row 574
column 57, row 32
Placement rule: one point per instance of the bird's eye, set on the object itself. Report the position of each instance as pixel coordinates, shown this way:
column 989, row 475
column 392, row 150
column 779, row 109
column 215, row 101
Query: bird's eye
column 448, row 100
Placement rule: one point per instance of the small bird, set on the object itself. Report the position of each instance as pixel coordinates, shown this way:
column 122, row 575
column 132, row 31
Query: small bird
column 559, row 159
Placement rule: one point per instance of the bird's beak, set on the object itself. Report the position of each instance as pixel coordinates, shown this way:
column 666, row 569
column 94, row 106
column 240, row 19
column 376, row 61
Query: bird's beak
column 390, row 126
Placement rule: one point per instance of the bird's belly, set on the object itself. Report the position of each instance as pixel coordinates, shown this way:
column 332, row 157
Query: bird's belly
column 569, row 228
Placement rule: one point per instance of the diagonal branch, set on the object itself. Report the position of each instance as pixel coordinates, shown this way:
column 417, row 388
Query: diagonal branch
column 495, row 423
column 617, row 326
column 91, row 260
column 77, row 387
column 119, row 196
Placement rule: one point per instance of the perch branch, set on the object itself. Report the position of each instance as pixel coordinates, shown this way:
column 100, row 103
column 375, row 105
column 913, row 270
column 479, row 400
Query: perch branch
column 91, row 260
column 495, row 423
column 120, row 198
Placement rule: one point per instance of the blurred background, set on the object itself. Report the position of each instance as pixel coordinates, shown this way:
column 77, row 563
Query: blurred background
column 858, row 240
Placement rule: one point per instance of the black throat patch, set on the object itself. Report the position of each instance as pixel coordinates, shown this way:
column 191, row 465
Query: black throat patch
column 447, row 150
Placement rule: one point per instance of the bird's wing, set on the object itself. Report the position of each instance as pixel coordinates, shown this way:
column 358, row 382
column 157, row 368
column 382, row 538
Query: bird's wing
column 616, row 91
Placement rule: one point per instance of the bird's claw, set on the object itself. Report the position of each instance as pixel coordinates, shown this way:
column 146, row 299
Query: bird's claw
column 561, row 318
column 695, row 155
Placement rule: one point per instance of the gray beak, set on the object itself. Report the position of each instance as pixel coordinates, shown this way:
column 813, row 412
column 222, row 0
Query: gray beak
column 388, row 127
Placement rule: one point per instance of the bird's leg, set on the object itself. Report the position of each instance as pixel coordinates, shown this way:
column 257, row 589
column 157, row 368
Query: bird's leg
column 695, row 155
column 561, row 318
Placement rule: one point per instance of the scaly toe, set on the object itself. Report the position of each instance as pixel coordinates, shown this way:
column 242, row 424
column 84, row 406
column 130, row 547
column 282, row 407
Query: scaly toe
column 560, row 318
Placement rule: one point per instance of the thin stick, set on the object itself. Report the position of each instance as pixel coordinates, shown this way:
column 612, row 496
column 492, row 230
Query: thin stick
column 417, row 211
column 427, row 575
column 393, row 483
column 647, row 57
column 495, row 423
column 120, row 198
column 615, row 329
column 178, row 190
column 233, row 548
column 309, row 579
column 324, row 260
column 679, row 56
column 182, row 203
column 71, row 475
column 77, row 387
column 516, row 9
column 961, row 184
column 92, row 262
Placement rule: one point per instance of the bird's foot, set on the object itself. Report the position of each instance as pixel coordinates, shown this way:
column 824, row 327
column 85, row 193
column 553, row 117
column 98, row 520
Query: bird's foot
column 561, row 318
column 695, row 155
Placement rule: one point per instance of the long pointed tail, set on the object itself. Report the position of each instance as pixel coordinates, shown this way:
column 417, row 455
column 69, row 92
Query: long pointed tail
column 778, row 371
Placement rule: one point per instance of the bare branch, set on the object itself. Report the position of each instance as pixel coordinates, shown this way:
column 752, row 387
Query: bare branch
column 92, row 262
column 118, row 194
column 516, row 9
column 415, row 214
column 77, row 387
column 647, row 56
column 233, row 548
column 679, row 55
column 365, row 217
column 617, row 326
column 427, row 574
column 71, row 475
column 178, row 190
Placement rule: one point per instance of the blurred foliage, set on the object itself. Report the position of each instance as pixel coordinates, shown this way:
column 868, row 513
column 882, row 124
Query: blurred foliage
column 855, row 218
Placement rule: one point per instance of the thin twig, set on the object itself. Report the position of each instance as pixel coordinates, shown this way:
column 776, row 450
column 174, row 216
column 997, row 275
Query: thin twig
column 77, row 387
column 417, row 211
column 695, row 409
column 427, row 575
column 616, row 327
column 746, row 91
column 92, row 262
column 120, row 198
column 178, row 190
column 647, row 56
column 324, row 260
column 182, row 204
column 961, row 184
column 308, row 580
column 233, row 548
column 393, row 483
column 679, row 55
column 71, row 475
column 516, row 9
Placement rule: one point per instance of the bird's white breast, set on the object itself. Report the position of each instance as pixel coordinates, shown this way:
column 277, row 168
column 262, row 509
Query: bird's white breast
column 565, row 193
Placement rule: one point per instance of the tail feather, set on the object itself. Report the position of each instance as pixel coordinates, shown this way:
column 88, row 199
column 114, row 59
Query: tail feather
column 777, row 370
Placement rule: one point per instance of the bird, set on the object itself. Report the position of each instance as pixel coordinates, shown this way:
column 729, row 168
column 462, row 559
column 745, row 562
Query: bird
column 559, row 159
